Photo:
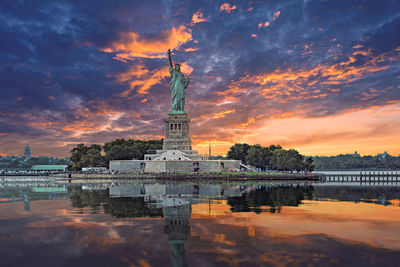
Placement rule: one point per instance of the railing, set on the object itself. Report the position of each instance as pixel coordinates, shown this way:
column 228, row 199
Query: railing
column 362, row 177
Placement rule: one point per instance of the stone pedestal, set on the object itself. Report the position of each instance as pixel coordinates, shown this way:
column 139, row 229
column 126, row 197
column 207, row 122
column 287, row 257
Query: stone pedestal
column 177, row 132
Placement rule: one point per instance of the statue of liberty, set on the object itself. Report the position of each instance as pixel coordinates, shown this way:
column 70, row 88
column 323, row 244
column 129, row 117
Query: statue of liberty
column 179, row 84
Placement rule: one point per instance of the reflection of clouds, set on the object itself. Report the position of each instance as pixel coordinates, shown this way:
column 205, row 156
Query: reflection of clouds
column 350, row 222
column 316, row 232
column 273, row 246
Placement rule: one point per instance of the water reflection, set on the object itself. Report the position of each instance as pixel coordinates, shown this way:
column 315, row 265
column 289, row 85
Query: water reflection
column 174, row 203
column 201, row 224
column 27, row 206
column 272, row 197
column 177, row 228
column 376, row 195
column 149, row 200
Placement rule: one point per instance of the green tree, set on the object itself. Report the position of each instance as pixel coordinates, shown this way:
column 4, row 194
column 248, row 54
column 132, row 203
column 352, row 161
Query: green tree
column 296, row 160
column 238, row 152
column 309, row 165
column 87, row 156
column 259, row 156
column 93, row 158
column 350, row 162
column 122, row 149
column 287, row 160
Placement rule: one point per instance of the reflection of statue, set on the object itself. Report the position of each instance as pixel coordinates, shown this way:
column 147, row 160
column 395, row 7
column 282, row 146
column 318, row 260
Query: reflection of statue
column 178, row 229
column 178, row 86
column 26, row 203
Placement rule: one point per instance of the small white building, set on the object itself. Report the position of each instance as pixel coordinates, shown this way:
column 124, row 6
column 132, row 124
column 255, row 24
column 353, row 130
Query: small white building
column 94, row 169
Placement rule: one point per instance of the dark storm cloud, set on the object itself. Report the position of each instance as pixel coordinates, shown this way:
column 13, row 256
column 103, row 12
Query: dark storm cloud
column 69, row 72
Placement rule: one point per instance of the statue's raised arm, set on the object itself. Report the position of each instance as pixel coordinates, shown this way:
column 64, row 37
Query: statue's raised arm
column 169, row 57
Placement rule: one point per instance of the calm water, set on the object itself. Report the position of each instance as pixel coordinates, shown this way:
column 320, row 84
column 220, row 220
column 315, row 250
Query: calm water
column 186, row 224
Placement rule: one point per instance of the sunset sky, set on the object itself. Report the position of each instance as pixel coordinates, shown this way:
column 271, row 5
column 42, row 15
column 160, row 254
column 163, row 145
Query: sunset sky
column 322, row 77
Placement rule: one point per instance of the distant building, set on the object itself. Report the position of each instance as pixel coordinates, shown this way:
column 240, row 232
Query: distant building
column 27, row 153
column 61, row 168
column 354, row 155
column 383, row 155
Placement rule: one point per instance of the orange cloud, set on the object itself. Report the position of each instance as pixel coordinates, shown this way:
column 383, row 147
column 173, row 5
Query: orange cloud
column 143, row 85
column 276, row 15
column 227, row 8
column 254, row 35
column 363, row 53
column 131, row 45
column 263, row 24
column 307, row 49
column 222, row 114
column 293, row 128
column 96, row 119
column 198, row 17
column 191, row 49
column 246, row 124
column 371, row 94
column 283, row 85
column 186, row 68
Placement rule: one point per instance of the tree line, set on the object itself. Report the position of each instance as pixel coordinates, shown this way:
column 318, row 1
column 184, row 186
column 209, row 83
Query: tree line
column 20, row 163
column 120, row 149
column 349, row 162
column 273, row 157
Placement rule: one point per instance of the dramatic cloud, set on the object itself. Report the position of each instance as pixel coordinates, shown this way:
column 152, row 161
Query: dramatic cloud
column 276, row 15
column 227, row 8
column 322, row 77
column 131, row 45
column 263, row 24
column 198, row 17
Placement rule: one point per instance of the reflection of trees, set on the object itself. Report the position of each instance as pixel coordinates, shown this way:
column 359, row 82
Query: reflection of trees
column 377, row 195
column 126, row 207
column 83, row 198
column 130, row 207
column 273, row 197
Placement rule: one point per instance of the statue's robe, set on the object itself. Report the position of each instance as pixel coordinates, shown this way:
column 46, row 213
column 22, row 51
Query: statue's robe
column 178, row 86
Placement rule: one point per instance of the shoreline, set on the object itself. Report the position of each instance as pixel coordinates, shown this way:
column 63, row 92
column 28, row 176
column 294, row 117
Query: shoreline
column 192, row 176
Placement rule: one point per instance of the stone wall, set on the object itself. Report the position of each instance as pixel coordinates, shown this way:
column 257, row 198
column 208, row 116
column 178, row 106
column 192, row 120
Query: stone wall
column 125, row 166
column 149, row 166
column 155, row 166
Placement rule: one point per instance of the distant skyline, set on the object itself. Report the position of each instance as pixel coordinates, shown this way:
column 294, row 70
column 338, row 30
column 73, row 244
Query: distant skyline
column 322, row 77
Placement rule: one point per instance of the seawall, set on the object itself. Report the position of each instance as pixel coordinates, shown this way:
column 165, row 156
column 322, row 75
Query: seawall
column 192, row 176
